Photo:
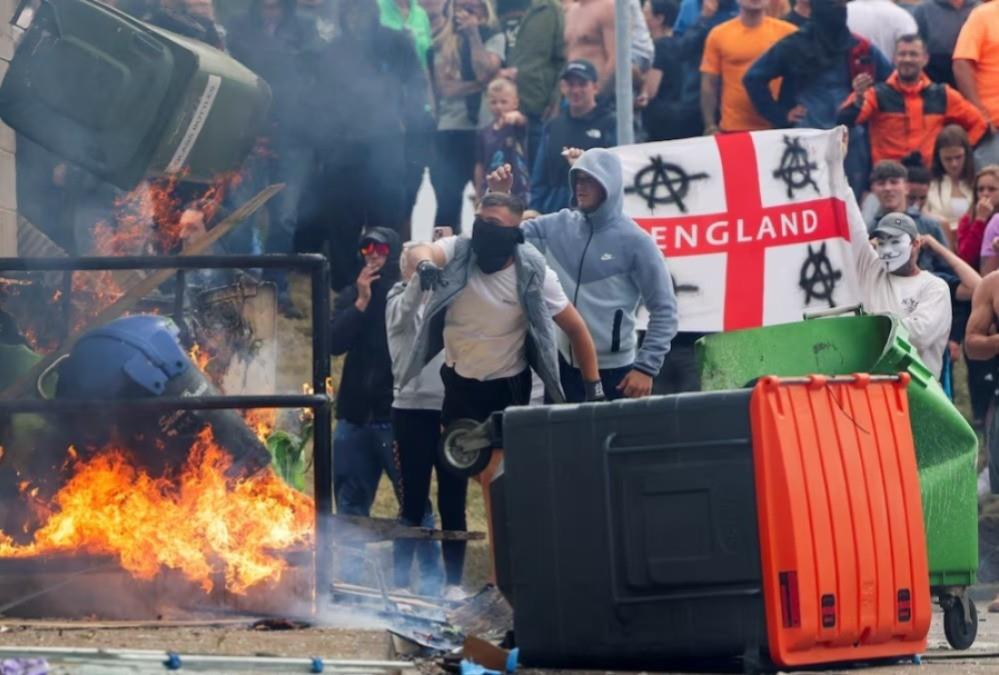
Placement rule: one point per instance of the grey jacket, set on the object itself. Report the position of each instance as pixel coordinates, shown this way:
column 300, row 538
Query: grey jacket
column 402, row 322
column 542, row 351
column 608, row 265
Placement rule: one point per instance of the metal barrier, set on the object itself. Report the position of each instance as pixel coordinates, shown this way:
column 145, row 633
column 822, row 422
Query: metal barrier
column 319, row 402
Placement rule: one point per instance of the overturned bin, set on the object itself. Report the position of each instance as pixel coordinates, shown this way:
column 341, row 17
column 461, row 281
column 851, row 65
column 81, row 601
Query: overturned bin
column 126, row 100
column 946, row 445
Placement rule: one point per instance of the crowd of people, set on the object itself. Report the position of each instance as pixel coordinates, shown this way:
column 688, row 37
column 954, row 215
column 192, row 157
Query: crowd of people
column 516, row 99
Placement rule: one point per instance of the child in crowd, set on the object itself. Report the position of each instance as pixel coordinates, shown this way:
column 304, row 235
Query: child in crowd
column 503, row 141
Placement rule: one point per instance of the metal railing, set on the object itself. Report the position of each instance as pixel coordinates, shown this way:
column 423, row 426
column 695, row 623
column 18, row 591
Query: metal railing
column 319, row 402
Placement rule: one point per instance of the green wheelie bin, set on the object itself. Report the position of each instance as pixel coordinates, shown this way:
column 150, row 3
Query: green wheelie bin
column 126, row 100
column 946, row 445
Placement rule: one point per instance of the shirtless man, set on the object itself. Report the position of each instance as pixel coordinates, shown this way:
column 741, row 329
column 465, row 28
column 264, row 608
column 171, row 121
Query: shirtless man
column 589, row 35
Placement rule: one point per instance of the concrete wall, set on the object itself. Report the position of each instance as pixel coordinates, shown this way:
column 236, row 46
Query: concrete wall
column 8, row 193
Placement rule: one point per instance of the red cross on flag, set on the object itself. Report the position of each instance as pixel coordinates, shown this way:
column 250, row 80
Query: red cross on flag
column 753, row 225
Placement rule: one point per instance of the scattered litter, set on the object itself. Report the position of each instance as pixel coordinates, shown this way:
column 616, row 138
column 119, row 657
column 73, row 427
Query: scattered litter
column 24, row 667
column 279, row 624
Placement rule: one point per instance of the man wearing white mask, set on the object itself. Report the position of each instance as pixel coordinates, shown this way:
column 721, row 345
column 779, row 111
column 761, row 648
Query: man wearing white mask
column 891, row 282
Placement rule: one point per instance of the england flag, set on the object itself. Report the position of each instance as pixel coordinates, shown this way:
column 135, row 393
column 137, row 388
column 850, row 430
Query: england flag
column 753, row 225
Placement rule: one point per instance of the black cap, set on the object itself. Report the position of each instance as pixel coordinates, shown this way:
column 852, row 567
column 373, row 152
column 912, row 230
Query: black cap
column 580, row 68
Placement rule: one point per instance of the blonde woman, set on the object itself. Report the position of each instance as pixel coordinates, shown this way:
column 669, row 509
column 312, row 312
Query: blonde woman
column 468, row 52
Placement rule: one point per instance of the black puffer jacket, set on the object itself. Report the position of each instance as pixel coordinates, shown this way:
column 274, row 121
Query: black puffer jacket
column 365, row 393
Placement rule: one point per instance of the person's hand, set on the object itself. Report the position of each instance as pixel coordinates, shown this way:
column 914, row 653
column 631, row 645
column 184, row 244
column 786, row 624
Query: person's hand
column 430, row 275
column 593, row 392
column 711, row 130
column 467, row 21
column 642, row 100
column 514, row 118
column 571, row 155
column 955, row 351
column 708, row 8
column 501, row 180
column 796, row 114
column 635, row 384
column 508, row 73
column 368, row 276
column 984, row 208
column 861, row 83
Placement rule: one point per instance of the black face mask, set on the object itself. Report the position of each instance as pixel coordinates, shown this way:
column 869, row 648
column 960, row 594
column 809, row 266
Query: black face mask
column 494, row 244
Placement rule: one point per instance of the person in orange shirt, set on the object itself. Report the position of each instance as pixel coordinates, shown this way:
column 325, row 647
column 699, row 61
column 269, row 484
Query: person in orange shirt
column 976, row 70
column 906, row 112
column 729, row 51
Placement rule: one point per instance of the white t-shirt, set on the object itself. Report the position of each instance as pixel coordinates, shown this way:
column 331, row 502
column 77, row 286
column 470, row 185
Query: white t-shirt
column 485, row 326
column 880, row 21
column 920, row 302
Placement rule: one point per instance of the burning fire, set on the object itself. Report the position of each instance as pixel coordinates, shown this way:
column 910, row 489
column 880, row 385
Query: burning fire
column 199, row 523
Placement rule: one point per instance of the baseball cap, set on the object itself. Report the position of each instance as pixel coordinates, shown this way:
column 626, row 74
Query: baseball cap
column 897, row 223
column 580, row 68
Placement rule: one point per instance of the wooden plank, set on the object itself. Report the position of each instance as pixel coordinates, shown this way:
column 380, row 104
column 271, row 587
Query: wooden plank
column 26, row 383
column 359, row 528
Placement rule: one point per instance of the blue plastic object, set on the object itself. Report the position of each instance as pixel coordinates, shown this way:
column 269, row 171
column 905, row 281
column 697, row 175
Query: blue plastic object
column 512, row 659
column 129, row 353
column 317, row 666
column 173, row 661
column 472, row 668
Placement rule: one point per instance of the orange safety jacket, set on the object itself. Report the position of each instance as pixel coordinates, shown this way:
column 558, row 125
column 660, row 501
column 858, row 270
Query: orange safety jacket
column 905, row 118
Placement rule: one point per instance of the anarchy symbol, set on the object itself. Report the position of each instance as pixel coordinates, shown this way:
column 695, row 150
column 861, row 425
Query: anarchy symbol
column 668, row 176
column 818, row 278
column 795, row 167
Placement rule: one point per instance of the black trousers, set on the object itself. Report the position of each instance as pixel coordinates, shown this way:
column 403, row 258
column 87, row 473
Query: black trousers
column 417, row 434
column 362, row 184
column 452, row 168
column 477, row 400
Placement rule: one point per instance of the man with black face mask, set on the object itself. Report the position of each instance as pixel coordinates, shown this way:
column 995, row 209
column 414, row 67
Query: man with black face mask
column 494, row 308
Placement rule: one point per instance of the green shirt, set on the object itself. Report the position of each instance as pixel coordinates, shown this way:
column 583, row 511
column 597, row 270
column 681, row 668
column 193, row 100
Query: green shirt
column 418, row 24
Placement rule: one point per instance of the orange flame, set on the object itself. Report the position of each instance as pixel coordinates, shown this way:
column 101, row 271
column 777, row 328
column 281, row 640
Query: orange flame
column 199, row 523
column 199, row 357
column 262, row 421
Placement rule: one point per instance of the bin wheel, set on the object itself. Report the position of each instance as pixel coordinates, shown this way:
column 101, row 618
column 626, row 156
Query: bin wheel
column 465, row 449
column 960, row 634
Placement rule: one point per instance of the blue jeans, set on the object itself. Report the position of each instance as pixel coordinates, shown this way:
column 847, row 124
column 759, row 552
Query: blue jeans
column 572, row 381
column 360, row 453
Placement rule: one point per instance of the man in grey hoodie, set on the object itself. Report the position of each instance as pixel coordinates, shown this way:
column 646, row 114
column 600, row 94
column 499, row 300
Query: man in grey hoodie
column 608, row 266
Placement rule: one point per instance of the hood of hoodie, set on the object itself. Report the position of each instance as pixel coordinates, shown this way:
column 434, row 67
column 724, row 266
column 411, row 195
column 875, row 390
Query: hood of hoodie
column 390, row 272
column 605, row 167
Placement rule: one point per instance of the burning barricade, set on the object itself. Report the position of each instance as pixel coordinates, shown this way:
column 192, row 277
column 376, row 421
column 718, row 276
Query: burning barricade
column 190, row 490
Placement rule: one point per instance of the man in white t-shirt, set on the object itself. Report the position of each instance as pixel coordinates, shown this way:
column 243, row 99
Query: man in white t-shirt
column 494, row 307
column 891, row 282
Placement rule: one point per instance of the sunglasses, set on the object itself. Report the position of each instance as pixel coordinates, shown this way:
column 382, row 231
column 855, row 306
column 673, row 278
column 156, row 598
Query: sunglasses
column 375, row 248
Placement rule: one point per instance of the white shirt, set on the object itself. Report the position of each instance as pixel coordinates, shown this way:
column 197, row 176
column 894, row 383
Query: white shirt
column 880, row 21
column 485, row 327
column 921, row 302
